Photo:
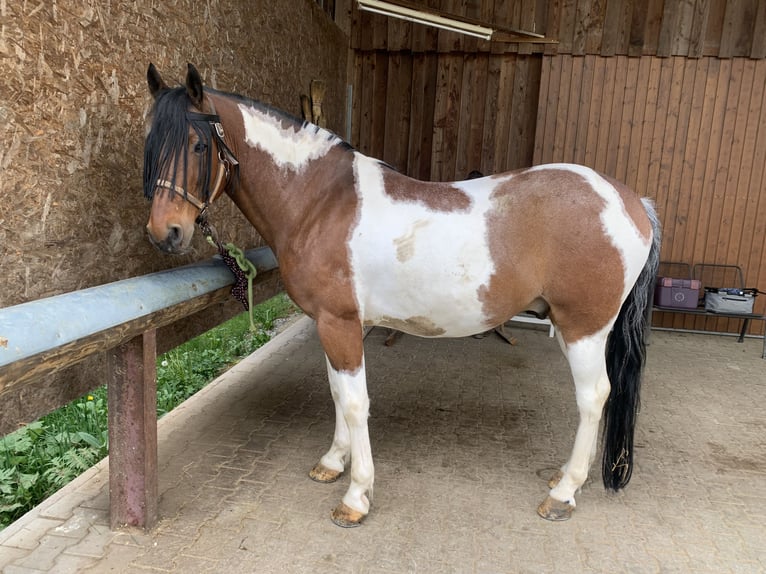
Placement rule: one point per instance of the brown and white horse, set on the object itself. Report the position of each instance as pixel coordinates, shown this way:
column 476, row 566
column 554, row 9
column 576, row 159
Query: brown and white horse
column 360, row 244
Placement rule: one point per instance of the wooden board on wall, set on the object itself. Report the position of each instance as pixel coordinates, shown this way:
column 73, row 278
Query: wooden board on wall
column 692, row 28
column 688, row 133
column 438, row 116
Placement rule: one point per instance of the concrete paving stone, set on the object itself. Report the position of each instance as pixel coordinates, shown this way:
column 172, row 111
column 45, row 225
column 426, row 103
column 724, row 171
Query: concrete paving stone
column 186, row 523
column 162, row 552
column 230, row 516
column 245, row 495
column 273, row 428
column 132, row 537
column 207, row 500
column 227, row 477
column 215, row 543
column 257, row 443
column 196, row 565
column 9, row 555
column 69, row 564
column 118, row 561
column 87, row 485
column 15, row 569
column 261, row 472
column 47, row 552
column 100, row 500
column 94, row 542
column 241, row 460
column 27, row 532
column 173, row 499
column 80, row 522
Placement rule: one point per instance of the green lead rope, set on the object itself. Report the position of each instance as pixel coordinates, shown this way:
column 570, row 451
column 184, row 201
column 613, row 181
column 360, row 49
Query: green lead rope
column 243, row 270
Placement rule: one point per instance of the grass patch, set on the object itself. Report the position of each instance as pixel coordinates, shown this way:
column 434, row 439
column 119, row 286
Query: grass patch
column 39, row 459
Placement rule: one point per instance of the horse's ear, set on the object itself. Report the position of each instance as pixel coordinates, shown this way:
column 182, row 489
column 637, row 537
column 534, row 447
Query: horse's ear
column 194, row 86
column 155, row 81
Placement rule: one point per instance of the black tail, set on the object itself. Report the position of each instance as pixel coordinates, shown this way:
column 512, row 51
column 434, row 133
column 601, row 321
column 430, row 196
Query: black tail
column 625, row 356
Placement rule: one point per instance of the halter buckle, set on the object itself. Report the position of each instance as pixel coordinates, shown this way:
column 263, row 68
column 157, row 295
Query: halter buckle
column 218, row 129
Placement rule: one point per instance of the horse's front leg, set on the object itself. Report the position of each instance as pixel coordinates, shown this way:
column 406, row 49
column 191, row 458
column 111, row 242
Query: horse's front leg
column 333, row 463
column 342, row 342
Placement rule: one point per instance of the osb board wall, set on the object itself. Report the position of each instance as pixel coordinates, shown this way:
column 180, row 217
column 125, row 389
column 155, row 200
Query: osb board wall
column 689, row 133
column 73, row 99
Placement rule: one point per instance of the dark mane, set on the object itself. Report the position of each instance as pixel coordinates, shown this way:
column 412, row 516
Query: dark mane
column 168, row 140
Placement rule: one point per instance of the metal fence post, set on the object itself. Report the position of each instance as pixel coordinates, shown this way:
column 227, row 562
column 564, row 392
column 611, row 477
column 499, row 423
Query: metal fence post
column 132, row 395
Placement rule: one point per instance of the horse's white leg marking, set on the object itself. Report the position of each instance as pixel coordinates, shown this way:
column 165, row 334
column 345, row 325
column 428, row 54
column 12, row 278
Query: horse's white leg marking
column 340, row 450
column 350, row 393
column 586, row 360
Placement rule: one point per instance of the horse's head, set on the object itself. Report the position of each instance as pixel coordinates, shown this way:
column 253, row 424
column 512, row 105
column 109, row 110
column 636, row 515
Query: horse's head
column 186, row 162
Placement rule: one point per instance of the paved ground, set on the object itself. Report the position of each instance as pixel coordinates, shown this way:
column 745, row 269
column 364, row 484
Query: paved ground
column 464, row 434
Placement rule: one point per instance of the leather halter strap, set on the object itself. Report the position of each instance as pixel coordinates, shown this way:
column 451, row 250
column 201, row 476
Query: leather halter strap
column 226, row 159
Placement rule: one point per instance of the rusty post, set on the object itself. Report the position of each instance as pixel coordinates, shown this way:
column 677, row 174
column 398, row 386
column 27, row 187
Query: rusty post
column 132, row 390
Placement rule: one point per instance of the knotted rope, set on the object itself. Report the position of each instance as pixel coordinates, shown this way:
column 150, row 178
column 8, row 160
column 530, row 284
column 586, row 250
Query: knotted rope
column 240, row 266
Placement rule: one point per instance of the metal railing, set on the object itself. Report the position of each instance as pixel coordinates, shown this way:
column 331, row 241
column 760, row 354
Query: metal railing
column 46, row 336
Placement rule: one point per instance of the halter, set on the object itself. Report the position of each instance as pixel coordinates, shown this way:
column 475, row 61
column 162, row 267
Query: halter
column 225, row 157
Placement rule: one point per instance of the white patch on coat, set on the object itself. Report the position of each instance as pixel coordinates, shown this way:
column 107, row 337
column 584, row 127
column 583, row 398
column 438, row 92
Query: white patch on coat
column 415, row 268
column 620, row 228
column 288, row 147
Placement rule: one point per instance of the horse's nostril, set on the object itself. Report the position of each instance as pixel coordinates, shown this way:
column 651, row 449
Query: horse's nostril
column 175, row 235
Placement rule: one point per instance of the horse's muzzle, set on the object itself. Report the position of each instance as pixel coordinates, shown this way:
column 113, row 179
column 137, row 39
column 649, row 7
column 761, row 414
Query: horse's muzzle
column 173, row 242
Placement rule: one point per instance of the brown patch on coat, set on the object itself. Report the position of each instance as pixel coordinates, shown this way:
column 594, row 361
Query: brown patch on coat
column 314, row 258
column 435, row 196
column 546, row 227
column 405, row 245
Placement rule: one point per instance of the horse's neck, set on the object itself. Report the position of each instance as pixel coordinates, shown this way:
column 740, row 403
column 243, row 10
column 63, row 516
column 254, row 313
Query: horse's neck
column 286, row 170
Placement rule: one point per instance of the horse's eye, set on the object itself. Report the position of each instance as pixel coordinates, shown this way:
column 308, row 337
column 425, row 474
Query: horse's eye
column 199, row 147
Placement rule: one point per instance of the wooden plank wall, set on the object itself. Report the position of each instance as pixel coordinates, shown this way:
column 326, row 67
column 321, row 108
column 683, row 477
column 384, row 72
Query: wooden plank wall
column 689, row 133
column 692, row 28
column 439, row 115
column 375, row 32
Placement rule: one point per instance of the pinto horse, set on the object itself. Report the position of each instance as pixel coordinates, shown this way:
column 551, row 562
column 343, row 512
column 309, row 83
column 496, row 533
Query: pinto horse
column 360, row 244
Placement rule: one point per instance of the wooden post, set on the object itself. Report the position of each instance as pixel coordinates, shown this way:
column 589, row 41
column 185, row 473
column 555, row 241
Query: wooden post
column 132, row 391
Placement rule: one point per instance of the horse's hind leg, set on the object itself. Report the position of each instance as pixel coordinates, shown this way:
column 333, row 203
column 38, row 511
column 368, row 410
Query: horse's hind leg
column 342, row 341
column 588, row 365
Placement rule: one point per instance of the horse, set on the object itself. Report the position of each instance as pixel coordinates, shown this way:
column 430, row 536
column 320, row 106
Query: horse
column 359, row 244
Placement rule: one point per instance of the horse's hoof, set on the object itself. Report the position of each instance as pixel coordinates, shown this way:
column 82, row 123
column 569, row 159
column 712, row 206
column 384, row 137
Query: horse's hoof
column 321, row 473
column 555, row 479
column 555, row 510
column 347, row 517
